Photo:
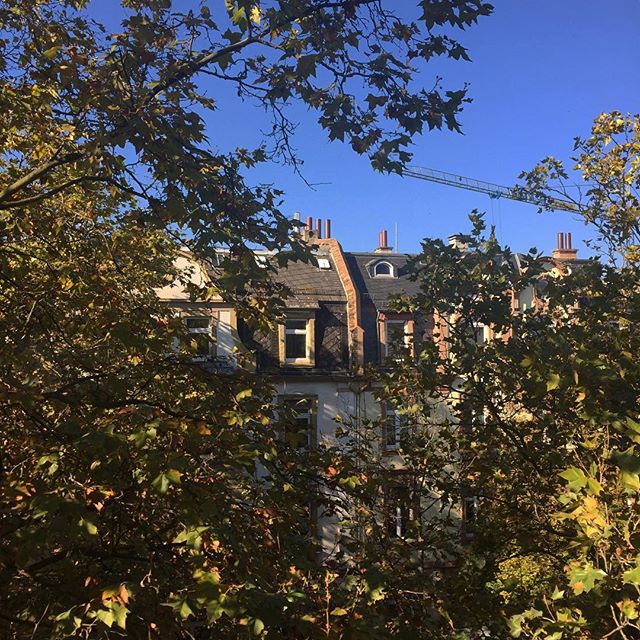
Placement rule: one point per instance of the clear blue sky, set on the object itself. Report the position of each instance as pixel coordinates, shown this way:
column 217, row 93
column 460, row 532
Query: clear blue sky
column 541, row 71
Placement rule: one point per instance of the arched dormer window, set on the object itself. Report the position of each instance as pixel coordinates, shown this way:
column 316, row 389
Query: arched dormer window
column 383, row 270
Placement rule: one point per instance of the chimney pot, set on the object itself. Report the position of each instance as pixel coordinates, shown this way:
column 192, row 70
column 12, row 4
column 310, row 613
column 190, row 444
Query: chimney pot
column 309, row 223
column 383, row 247
column 564, row 251
column 327, row 228
column 319, row 228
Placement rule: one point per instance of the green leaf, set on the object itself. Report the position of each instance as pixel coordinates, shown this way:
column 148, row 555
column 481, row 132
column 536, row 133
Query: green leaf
column 553, row 381
column 583, row 578
column 258, row 627
column 632, row 576
column 238, row 15
column 182, row 608
column 173, row 475
column 49, row 54
column 161, row 484
column 120, row 614
column 106, row 616
column 515, row 625
column 245, row 393
column 631, row 481
column 89, row 526
column 339, row 611
column 575, row 477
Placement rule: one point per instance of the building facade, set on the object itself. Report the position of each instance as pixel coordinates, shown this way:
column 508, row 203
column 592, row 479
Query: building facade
column 336, row 322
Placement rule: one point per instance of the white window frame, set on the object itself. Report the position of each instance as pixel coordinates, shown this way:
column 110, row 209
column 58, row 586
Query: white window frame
column 307, row 412
column 298, row 332
column 201, row 331
column 477, row 327
column 401, row 523
column 406, row 341
column 391, row 274
column 390, row 412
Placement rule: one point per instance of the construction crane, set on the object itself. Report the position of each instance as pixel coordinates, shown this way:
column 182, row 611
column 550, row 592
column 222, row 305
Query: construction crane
column 492, row 190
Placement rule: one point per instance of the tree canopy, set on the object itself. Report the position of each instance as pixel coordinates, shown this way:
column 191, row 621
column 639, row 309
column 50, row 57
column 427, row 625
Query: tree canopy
column 133, row 494
column 541, row 422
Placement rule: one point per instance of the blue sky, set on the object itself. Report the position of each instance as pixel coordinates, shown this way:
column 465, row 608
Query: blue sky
column 541, row 71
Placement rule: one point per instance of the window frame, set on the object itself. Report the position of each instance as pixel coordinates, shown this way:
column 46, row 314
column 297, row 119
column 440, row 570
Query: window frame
column 469, row 516
column 311, row 413
column 406, row 342
column 401, row 507
column 197, row 331
column 374, row 270
column 389, row 411
column 309, row 332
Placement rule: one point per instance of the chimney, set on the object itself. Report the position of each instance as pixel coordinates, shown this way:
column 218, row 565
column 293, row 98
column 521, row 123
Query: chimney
column 564, row 251
column 308, row 228
column 319, row 228
column 383, row 244
column 327, row 228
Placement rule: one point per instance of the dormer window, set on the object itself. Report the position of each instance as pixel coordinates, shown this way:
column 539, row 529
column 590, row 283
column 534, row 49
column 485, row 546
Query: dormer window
column 296, row 337
column 383, row 270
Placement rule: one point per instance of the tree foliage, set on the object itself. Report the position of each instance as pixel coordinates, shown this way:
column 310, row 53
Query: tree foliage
column 541, row 421
column 141, row 495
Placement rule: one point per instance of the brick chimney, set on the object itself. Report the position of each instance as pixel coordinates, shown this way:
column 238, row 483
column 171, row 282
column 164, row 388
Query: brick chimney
column 383, row 244
column 564, row 251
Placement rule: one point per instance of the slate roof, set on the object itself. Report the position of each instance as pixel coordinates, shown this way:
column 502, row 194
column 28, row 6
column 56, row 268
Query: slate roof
column 309, row 284
column 378, row 290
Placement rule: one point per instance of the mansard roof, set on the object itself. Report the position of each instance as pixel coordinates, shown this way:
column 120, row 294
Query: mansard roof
column 378, row 289
column 309, row 284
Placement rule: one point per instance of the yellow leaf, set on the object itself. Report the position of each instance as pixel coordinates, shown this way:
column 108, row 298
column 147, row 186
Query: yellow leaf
column 255, row 15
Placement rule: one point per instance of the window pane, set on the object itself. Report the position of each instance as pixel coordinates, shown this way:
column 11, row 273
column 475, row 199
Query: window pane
column 296, row 346
column 198, row 323
column 392, row 431
column 399, row 511
column 296, row 325
column 201, row 343
column 297, row 428
column 392, row 427
column 383, row 269
column 395, row 338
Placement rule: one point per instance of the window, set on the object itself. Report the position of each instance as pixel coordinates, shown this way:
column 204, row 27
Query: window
column 392, row 427
column 397, row 338
column 469, row 509
column 400, row 511
column 469, row 516
column 383, row 270
column 296, row 341
column 199, row 329
column 323, row 263
column 298, row 420
column 479, row 335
